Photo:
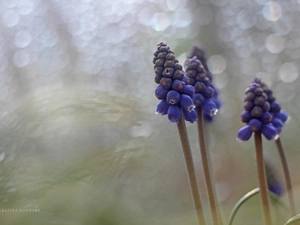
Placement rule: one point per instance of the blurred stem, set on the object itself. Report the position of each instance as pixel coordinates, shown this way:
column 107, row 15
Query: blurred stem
column 262, row 179
column 246, row 197
column 191, row 170
column 287, row 176
column 206, row 169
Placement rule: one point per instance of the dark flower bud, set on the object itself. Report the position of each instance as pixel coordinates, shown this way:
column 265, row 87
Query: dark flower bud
column 245, row 116
column 161, row 55
column 168, row 72
column 157, row 78
column 269, row 131
column 166, row 82
column 189, row 90
column 191, row 81
column 159, row 63
column 200, row 76
column 256, row 112
column 208, row 92
column 258, row 91
column 178, row 66
column 169, row 63
column 266, row 118
column 206, row 81
column 259, row 100
column 173, row 97
column 255, row 125
column 178, row 85
column 174, row 113
column 266, row 107
column 198, row 99
column 244, row 134
column 275, row 107
column 209, row 108
column 158, row 70
column 162, row 107
column 186, row 80
column 191, row 73
column 190, row 116
column 248, row 105
column 170, row 56
column 178, row 75
column 186, row 103
column 160, row 92
column 199, row 87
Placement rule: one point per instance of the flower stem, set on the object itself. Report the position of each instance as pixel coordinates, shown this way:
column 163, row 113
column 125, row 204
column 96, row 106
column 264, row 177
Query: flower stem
column 262, row 179
column 206, row 171
column 287, row 177
column 191, row 170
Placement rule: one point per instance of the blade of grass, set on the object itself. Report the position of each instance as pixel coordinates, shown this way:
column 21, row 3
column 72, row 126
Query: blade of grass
column 246, row 197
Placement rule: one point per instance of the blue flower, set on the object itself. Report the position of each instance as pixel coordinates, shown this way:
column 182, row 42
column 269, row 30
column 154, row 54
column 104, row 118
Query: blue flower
column 256, row 114
column 173, row 91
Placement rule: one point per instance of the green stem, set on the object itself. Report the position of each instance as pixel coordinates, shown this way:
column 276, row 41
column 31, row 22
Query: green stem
column 206, row 169
column 262, row 179
column 247, row 196
column 287, row 176
column 191, row 170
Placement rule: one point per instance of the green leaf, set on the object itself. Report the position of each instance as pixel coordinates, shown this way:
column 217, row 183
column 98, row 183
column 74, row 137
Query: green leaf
column 249, row 195
column 294, row 220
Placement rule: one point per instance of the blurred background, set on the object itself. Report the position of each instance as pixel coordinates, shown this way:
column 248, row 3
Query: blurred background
column 79, row 138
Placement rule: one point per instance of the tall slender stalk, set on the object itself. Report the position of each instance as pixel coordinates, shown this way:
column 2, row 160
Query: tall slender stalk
column 206, row 169
column 262, row 179
column 191, row 170
column 287, row 176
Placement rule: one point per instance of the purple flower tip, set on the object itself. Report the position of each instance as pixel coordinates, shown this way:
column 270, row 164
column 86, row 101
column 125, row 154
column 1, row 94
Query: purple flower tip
column 209, row 108
column 255, row 125
column 269, row 131
column 189, row 90
column 244, row 134
column 162, row 107
column 190, row 116
column 174, row 113
column 173, row 97
column 186, row 103
column 277, row 123
column 160, row 92
column 282, row 115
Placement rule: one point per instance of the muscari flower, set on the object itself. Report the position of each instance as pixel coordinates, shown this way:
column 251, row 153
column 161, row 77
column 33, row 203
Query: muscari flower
column 204, row 91
column 279, row 116
column 174, row 93
column 274, row 185
column 200, row 55
column 256, row 114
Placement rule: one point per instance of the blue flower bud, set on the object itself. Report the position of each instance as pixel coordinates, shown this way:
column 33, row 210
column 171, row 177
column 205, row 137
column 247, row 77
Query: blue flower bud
column 244, row 134
column 275, row 107
column 209, row 108
column 255, row 125
column 173, row 97
column 162, row 107
column 174, row 113
column 186, row 103
column 269, row 131
column 189, row 90
column 282, row 115
column 198, row 99
column 186, row 79
column 190, row 116
column 277, row 123
column 178, row 85
column 166, row 82
column 245, row 116
column 160, row 92
column 208, row 92
column 266, row 118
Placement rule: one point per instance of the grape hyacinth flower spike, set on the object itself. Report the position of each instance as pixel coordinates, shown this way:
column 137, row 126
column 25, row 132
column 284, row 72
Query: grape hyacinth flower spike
column 258, row 119
column 175, row 97
column 174, row 94
column 279, row 117
column 256, row 114
column 204, row 93
column 199, row 53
